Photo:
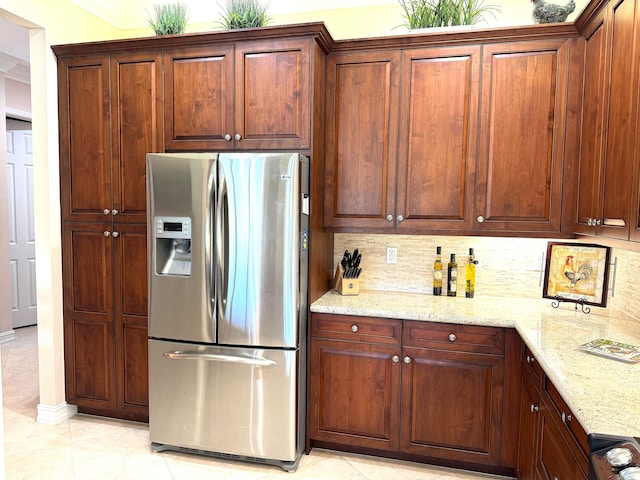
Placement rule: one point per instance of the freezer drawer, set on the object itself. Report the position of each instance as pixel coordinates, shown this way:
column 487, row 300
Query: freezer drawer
column 232, row 401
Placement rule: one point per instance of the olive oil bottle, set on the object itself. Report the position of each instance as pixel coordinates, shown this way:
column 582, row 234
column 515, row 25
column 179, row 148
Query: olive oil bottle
column 437, row 272
column 470, row 275
column 452, row 276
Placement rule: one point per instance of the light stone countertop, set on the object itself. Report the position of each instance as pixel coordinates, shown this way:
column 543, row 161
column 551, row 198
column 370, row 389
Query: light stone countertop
column 604, row 394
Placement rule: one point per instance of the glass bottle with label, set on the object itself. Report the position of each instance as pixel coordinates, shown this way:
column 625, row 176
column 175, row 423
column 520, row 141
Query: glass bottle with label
column 437, row 272
column 470, row 275
column 452, row 276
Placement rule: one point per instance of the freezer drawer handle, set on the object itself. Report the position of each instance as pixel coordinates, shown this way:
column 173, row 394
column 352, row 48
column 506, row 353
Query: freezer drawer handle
column 258, row 362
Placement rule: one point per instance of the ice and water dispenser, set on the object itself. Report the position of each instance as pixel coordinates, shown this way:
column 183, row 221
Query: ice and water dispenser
column 173, row 246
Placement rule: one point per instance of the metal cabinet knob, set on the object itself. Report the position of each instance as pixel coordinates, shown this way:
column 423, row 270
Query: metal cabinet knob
column 115, row 234
column 354, row 328
column 395, row 359
column 480, row 219
column 598, row 222
column 590, row 222
column 106, row 233
column 390, row 218
column 106, row 211
column 566, row 418
column 237, row 136
column 114, row 212
column 534, row 408
column 452, row 337
column 406, row 359
column 227, row 137
column 400, row 218
column 530, row 359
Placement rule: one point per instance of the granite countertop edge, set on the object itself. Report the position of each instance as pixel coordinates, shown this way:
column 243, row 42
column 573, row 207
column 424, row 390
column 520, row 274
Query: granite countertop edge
column 552, row 334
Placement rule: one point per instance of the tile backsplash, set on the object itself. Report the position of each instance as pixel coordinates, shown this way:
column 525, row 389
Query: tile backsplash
column 508, row 267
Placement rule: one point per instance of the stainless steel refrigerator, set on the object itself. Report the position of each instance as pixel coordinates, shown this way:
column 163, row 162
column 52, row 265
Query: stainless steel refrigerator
column 228, row 263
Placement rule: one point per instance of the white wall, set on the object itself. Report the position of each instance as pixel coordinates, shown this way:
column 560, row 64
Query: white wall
column 50, row 22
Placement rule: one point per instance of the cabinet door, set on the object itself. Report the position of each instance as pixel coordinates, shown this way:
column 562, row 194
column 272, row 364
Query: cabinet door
column 556, row 460
column 529, row 428
column 593, row 108
column 136, row 106
column 198, row 87
column 617, row 181
column 437, row 151
column 88, row 316
column 130, row 320
column 273, row 95
column 355, row 394
column 85, row 138
column 362, row 130
column 519, row 186
column 451, row 405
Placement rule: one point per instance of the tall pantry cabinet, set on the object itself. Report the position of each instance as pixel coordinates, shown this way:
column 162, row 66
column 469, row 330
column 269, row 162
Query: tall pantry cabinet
column 261, row 89
column 110, row 109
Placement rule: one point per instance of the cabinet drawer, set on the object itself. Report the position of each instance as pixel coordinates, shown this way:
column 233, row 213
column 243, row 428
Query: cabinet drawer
column 566, row 416
column 531, row 367
column 359, row 329
column 446, row 336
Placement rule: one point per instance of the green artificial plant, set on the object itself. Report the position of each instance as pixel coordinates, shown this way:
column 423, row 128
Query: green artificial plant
column 244, row 14
column 169, row 18
column 444, row 13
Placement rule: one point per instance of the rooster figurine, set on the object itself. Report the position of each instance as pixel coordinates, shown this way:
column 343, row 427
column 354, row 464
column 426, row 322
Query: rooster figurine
column 544, row 12
column 573, row 275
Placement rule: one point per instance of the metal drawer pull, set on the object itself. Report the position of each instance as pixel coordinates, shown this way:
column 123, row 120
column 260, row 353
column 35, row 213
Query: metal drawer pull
column 407, row 359
column 480, row 219
column 395, row 359
column 534, row 408
column 354, row 328
column 452, row 337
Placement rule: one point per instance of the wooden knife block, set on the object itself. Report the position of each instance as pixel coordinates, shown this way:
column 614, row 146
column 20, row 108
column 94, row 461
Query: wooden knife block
column 345, row 286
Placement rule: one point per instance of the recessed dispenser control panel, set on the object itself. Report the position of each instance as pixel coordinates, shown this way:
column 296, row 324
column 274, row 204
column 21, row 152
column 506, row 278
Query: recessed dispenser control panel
column 173, row 227
column 172, row 246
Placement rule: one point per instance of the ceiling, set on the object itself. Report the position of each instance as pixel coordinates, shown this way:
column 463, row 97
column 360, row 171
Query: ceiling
column 14, row 50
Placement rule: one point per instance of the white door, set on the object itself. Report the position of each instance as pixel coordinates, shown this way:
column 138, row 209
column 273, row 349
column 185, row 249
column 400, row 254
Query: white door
column 22, row 252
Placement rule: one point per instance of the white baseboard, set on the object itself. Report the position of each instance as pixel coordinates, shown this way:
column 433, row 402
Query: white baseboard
column 53, row 415
column 8, row 336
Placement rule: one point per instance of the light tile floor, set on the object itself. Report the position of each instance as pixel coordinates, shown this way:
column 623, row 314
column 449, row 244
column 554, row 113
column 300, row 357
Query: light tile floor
column 95, row 448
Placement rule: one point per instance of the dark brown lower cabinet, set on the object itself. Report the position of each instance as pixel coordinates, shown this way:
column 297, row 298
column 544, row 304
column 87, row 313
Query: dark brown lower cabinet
column 552, row 445
column 421, row 391
column 451, row 405
column 105, row 319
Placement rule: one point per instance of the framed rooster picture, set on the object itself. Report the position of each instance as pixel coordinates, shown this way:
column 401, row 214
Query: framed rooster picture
column 577, row 272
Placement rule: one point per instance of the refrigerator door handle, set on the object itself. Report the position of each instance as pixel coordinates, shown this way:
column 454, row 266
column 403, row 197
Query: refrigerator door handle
column 215, row 357
column 222, row 246
column 210, row 241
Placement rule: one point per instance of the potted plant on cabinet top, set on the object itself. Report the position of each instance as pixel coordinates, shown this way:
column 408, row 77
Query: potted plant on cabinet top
column 169, row 18
column 444, row 13
column 244, row 14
